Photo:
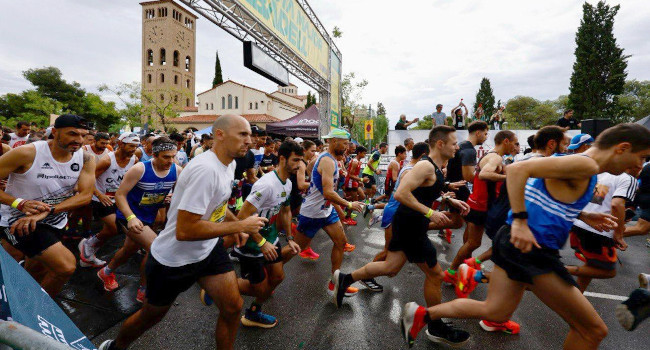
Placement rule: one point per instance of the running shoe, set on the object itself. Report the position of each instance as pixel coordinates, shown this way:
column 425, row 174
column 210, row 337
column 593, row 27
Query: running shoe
column 445, row 235
column 580, row 257
column 372, row 285
column 644, row 280
column 110, row 283
column 335, row 288
column 87, row 256
column 349, row 222
column 232, row 257
column 349, row 292
column 471, row 262
column 412, row 322
column 465, row 283
column 348, row 248
column 309, row 254
column 634, row 310
column 353, row 215
column 142, row 292
column 106, row 344
column 374, row 219
column 205, row 298
column 258, row 319
column 509, row 327
column 449, row 278
column 445, row 333
column 366, row 211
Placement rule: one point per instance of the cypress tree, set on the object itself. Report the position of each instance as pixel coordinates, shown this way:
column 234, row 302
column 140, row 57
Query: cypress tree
column 218, row 79
column 599, row 70
column 485, row 96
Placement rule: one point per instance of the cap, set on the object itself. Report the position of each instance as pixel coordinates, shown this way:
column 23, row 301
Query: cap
column 129, row 137
column 338, row 134
column 299, row 139
column 48, row 131
column 70, row 121
column 579, row 140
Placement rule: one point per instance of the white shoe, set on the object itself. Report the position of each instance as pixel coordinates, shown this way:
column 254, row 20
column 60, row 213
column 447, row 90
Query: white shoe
column 106, row 344
column 374, row 219
column 644, row 280
column 92, row 261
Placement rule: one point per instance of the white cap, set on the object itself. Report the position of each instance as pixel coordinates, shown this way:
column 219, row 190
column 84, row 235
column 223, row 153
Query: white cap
column 298, row 139
column 129, row 137
column 48, row 131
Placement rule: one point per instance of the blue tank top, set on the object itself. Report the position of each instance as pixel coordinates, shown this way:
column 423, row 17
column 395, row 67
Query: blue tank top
column 148, row 195
column 315, row 205
column 549, row 219
column 145, row 157
column 392, row 202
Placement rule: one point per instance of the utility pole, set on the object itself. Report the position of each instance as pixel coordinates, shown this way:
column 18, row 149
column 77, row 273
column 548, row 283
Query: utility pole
column 370, row 117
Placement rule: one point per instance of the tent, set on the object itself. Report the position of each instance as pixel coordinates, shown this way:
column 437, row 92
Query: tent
column 644, row 121
column 204, row 131
column 303, row 124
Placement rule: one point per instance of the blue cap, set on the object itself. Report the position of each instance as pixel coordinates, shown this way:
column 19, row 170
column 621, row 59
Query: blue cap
column 579, row 140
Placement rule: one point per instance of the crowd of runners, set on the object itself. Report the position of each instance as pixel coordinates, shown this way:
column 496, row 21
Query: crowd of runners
column 194, row 209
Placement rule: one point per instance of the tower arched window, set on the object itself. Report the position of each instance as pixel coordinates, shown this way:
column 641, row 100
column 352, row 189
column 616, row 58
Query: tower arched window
column 236, row 102
column 176, row 58
column 212, row 106
column 187, row 83
column 162, row 77
column 149, row 78
column 175, row 98
column 255, row 105
column 250, row 105
column 163, row 58
column 162, row 97
column 175, row 79
column 187, row 102
column 188, row 62
column 223, row 102
column 150, row 57
column 229, row 101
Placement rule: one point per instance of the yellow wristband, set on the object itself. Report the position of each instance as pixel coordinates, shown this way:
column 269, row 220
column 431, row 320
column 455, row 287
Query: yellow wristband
column 130, row 217
column 428, row 214
column 261, row 243
column 349, row 205
column 16, row 202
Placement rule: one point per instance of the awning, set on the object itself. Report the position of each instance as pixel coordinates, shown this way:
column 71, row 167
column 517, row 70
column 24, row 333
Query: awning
column 303, row 124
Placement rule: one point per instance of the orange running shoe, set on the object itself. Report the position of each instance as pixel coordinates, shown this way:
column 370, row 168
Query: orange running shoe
column 309, row 254
column 350, row 292
column 509, row 327
column 449, row 278
column 349, row 247
column 110, row 283
column 465, row 283
column 471, row 262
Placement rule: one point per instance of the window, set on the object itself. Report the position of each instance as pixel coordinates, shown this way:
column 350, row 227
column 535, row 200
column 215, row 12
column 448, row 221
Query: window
column 149, row 78
column 162, row 12
column 176, row 58
column 189, row 23
column 162, row 77
column 212, row 106
column 229, row 101
column 206, row 106
column 176, row 99
column 236, row 102
column 150, row 57
column 162, row 97
column 187, row 102
column 188, row 62
column 250, row 105
column 187, row 83
column 223, row 102
column 175, row 79
column 163, row 58
column 151, row 13
column 255, row 105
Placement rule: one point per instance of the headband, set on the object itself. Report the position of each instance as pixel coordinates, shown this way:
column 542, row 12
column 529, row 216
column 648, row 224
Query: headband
column 164, row 147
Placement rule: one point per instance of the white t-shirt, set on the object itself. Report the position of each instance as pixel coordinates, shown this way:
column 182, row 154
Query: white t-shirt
column 203, row 188
column 17, row 140
column 409, row 156
column 608, row 187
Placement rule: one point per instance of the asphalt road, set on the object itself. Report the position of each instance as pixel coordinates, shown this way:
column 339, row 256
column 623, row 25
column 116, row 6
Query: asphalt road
column 308, row 319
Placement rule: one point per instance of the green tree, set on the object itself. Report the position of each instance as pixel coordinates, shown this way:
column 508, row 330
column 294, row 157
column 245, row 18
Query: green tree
column 218, row 79
column 311, row 100
column 162, row 104
column 599, row 70
column 425, row 123
column 351, row 91
column 336, row 32
column 381, row 110
column 29, row 106
column 49, row 82
column 130, row 95
column 634, row 102
column 102, row 113
column 529, row 113
column 485, row 97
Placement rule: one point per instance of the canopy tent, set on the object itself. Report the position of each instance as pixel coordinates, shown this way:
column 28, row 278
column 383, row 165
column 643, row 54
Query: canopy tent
column 644, row 121
column 204, row 131
column 303, row 124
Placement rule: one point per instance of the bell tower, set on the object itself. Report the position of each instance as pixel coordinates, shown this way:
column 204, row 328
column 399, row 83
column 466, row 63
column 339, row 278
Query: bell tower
column 168, row 53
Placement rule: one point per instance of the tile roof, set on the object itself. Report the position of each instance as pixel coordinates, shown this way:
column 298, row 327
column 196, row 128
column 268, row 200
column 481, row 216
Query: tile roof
column 209, row 118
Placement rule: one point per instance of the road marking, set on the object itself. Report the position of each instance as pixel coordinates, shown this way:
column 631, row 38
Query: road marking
column 605, row 296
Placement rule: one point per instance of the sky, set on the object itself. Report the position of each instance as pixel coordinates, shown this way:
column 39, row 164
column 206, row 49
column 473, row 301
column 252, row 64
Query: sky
column 414, row 53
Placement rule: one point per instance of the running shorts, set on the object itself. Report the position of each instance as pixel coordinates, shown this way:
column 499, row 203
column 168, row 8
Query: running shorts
column 101, row 211
column 410, row 237
column 387, row 215
column 254, row 268
column 523, row 267
column 165, row 283
column 371, row 181
column 389, row 187
column 35, row 243
column 476, row 217
column 309, row 227
column 598, row 250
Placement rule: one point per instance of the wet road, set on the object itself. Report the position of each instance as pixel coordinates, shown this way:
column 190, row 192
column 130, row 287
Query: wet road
column 308, row 320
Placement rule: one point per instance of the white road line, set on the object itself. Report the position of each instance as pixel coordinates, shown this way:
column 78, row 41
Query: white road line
column 605, row 296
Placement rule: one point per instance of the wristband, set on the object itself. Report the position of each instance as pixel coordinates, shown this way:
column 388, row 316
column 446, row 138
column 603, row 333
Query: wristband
column 349, row 205
column 16, row 202
column 262, row 242
column 429, row 213
column 130, row 217
column 520, row 215
column 289, row 238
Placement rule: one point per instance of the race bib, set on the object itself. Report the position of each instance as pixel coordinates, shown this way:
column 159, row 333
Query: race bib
column 219, row 214
column 152, row 198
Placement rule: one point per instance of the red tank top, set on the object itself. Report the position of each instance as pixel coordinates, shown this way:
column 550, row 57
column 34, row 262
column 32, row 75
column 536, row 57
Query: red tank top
column 353, row 172
column 484, row 192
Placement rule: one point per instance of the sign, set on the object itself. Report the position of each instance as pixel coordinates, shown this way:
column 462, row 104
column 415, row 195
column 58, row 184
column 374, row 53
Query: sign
column 22, row 300
column 289, row 22
column 258, row 61
column 368, row 129
column 335, row 91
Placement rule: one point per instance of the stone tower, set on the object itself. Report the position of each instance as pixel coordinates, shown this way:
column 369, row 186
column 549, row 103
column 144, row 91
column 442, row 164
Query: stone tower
column 168, row 53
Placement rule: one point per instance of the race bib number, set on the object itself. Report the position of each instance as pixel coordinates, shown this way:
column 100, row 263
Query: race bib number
column 219, row 214
column 152, row 198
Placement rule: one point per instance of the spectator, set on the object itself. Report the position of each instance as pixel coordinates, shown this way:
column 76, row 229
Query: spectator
column 581, row 143
column 438, row 117
column 403, row 124
column 567, row 122
column 459, row 116
column 496, row 121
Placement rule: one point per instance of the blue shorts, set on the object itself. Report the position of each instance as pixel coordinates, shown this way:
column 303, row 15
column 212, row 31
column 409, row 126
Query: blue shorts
column 387, row 215
column 309, row 226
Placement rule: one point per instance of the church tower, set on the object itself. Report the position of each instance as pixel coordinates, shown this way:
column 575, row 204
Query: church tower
column 168, row 53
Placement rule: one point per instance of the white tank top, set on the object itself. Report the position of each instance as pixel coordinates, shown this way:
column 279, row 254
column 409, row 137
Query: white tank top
column 315, row 205
column 110, row 180
column 89, row 149
column 47, row 181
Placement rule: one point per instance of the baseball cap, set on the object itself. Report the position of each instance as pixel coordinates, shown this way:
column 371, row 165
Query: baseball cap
column 337, row 133
column 579, row 140
column 299, row 139
column 129, row 137
column 70, row 121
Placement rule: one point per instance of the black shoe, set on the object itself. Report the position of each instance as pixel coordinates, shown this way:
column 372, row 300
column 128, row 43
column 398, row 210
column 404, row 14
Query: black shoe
column 634, row 310
column 444, row 332
column 372, row 285
column 365, row 211
column 339, row 288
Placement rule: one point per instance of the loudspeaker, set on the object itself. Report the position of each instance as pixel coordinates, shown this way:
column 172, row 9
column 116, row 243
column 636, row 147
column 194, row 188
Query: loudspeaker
column 594, row 127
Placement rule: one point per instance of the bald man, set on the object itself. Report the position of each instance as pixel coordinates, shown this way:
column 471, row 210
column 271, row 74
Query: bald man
column 191, row 247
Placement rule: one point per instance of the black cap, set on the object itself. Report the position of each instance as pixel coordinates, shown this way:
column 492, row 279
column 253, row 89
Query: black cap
column 70, row 121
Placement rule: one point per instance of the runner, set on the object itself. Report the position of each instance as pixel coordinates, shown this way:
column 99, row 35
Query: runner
column 642, row 226
column 300, row 187
column 181, row 157
column 269, row 160
column 393, row 170
column 488, row 178
column 369, row 171
column 636, row 308
column 189, row 249
column 416, row 193
column 39, row 193
column 553, row 191
column 353, row 192
column 21, row 135
column 144, row 152
column 317, row 210
column 261, row 257
column 109, row 173
column 140, row 195
column 99, row 146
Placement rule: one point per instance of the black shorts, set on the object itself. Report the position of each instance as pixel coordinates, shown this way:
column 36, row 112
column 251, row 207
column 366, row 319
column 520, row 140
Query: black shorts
column 522, row 267
column 371, row 181
column 165, row 283
column 43, row 237
column 598, row 250
column 253, row 269
column 462, row 193
column 101, row 211
column 476, row 217
column 390, row 186
column 410, row 237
